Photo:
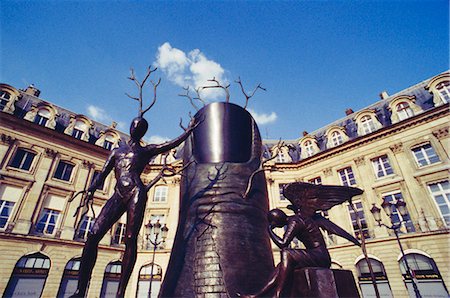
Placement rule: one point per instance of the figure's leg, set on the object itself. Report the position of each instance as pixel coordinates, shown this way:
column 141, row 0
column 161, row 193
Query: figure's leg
column 285, row 269
column 111, row 212
column 135, row 216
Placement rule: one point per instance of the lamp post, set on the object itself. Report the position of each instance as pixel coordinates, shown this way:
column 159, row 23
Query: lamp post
column 157, row 230
column 388, row 208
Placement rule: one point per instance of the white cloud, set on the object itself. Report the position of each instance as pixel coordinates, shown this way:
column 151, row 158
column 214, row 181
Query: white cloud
column 193, row 69
column 262, row 118
column 100, row 115
column 155, row 139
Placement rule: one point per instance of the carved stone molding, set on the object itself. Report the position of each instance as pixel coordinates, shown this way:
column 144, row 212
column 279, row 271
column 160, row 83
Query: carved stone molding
column 87, row 164
column 328, row 172
column 50, row 153
column 359, row 161
column 396, row 148
column 441, row 132
column 6, row 139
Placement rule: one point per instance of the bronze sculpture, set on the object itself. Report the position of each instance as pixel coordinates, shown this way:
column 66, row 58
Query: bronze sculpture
column 130, row 195
column 307, row 199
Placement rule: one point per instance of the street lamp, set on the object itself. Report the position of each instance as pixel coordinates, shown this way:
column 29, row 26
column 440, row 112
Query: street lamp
column 155, row 230
column 388, row 208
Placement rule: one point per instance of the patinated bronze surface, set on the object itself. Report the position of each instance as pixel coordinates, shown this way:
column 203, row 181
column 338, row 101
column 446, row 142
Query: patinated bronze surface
column 304, row 225
column 130, row 195
column 221, row 245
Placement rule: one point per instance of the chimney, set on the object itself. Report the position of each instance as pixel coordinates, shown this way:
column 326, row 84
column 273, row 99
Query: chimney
column 305, row 133
column 384, row 95
column 33, row 90
column 348, row 111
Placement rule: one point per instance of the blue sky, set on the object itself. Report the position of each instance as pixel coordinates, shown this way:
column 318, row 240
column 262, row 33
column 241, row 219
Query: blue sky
column 315, row 58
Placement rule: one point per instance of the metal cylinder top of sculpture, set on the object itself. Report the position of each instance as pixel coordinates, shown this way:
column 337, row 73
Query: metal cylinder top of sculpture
column 221, row 245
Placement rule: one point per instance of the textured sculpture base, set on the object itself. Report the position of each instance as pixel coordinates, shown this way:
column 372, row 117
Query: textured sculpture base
column 323, row 283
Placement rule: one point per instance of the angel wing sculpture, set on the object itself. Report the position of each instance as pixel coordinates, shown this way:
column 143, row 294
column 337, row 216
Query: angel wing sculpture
column 306, row 199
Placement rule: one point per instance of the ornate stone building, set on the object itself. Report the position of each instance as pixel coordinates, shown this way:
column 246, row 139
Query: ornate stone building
column 396, row 150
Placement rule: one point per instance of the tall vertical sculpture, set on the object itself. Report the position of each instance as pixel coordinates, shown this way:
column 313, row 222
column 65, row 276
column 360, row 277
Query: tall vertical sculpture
column 222, row 229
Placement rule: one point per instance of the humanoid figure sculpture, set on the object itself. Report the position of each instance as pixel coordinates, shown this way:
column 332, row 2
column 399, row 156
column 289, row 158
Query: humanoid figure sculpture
column 130, row 195
column 304, row 225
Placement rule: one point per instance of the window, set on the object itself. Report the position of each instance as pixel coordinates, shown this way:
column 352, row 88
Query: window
column 9, row 196
column 85, row 227
column 280, row 157
column 316, row 181
column 368, row 125
column 444, row 91
column 347, row 177
column 63, row 171
column 29, row 276
column 69, row 281
column 425, row 155
column 440, row 192
column 365, row 279
column 4, row 99
column 147, row 275
column 111, row 279
column 160, row 195
column 42, row 117
column 382, row 166
column 77, row 134
column 429, row 279
column 47, row 221
column 354, row 215
column 404, row 110
column 6, row 208
column 119, row 234
column 107, row 145
column 309, row 148
column 22, row 159
column 336, row 138
column 281, row 187
column 396, row 217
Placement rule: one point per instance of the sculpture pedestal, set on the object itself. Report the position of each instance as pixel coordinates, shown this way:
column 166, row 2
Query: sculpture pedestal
column 323, row 283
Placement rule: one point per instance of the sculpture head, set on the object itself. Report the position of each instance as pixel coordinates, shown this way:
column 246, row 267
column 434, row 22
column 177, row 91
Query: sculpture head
column 138, row 128
column 277, row 218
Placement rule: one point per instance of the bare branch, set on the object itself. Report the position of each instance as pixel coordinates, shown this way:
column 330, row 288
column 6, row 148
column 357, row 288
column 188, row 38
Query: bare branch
column 155, row 86
column 132, row 97
column 247, row 97
column 218, row 85
column 189, row 97
column 140, row 86
column 199, row 97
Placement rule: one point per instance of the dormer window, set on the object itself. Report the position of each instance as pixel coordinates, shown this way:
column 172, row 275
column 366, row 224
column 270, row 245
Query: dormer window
column 309, row 146
column 4, row 99
column 403, row 107
column 8, row 96
column 336, row 138
column 109, row 139
column 444, row 91
column 367, row 122
column 439, row 86
column 404, row 111
column 79, row 127
column 42, row 117
column 42, row 114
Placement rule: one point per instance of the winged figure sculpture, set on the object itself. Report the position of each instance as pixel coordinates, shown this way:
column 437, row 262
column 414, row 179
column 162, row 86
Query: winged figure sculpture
column 307, row 201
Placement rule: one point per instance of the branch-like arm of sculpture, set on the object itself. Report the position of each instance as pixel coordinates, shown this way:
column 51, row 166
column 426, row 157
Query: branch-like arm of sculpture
column 164, row 147
column 288, row 236
column 107, row 168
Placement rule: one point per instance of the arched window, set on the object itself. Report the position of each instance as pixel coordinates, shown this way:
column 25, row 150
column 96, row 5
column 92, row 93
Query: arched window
column 429, row 280
column 147, row 277
column 111, row 280
column 439, row 86
column 368, row 125
column 365, row 279
column 404, row 110
column 42, row 117
column 29, row 276
column 444, row 91
column 4, row 99
column 79, row 129
column 69, row 281
column 309, row 148
column 336, row 138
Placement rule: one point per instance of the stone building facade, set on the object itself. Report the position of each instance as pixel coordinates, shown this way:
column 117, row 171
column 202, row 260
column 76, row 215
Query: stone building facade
column 395, row 150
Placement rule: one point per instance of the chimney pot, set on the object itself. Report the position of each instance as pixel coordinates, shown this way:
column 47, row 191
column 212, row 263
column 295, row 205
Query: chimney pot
column 348, row 111
column 305, row 133
column 384, row 95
